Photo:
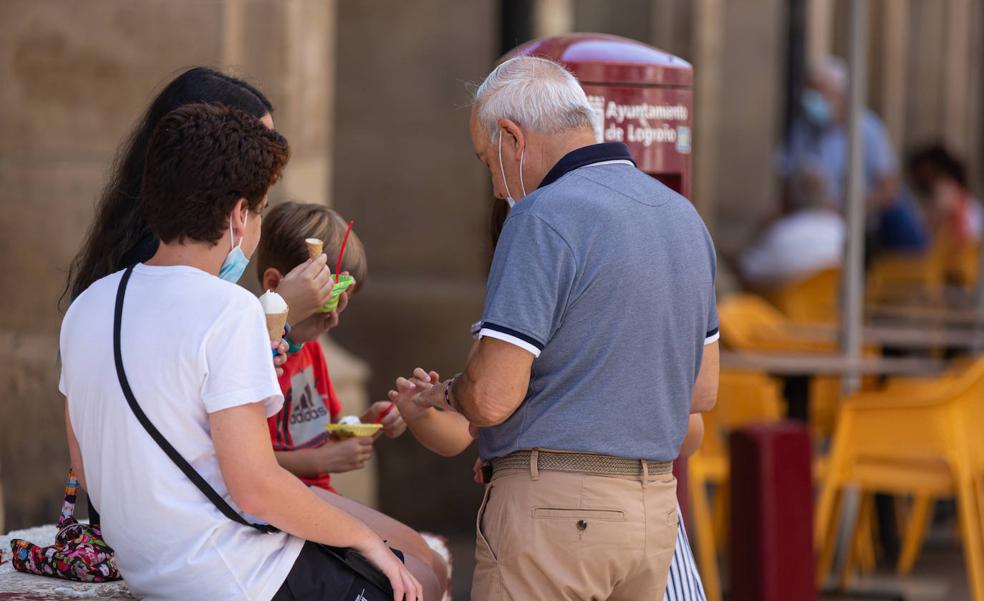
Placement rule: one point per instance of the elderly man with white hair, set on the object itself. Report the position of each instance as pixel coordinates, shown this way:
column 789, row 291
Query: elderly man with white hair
column 818, row 138
column 598, row 341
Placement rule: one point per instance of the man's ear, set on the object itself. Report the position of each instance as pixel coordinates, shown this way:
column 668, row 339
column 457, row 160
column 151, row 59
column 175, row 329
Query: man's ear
column 271, row 278
column 513, row 135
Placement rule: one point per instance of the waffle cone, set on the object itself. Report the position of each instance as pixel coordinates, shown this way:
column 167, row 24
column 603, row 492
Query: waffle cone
column 275, row 325
column 314, row 247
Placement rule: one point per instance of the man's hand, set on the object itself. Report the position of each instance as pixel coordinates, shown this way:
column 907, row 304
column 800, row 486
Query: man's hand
column 307, row 287
column 350, row 454
column 418, row 393
column 385, row 413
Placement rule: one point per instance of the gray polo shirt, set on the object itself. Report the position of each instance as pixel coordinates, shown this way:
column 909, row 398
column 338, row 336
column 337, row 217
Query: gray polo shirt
column 606, row 276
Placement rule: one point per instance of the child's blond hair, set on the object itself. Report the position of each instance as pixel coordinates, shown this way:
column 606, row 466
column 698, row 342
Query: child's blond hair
column 287, row 225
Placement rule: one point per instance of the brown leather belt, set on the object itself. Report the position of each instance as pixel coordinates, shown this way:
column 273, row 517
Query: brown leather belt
column 580, row 463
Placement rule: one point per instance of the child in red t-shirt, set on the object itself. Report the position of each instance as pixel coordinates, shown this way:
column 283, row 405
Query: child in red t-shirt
column 300, row 439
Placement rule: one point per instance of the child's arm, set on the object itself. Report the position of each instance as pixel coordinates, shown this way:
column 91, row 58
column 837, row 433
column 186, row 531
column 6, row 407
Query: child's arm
column 446, row 433
column 334, row 457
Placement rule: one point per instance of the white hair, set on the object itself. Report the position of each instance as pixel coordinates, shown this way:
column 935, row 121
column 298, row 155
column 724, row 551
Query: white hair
column 831, row 71
column 537, row 94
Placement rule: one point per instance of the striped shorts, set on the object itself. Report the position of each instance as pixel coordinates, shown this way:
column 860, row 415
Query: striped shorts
column 684, row 582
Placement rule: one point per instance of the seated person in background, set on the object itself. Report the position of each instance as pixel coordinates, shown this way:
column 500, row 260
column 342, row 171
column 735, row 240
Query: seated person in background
column 807, row 237
column 300, row 440
column 818, row 138
column 940, row 181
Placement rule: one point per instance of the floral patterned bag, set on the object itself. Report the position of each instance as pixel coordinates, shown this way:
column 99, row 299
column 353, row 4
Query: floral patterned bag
column 79, row 552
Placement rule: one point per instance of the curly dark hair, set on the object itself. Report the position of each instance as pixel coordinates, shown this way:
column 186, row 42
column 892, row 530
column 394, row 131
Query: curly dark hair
column 201, row 160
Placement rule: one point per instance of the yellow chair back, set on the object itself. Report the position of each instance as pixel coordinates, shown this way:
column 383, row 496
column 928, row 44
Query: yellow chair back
column 813, row 299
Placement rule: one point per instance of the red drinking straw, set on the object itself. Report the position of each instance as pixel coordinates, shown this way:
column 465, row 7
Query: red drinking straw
column 385, row 412
column 341, row 251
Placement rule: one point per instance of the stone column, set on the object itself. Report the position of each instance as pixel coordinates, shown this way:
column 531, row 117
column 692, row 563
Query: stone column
column 820, row 26
column 708, row 26
column 552, row 17
column 749, row 117
column 958, row 28
column 894, row 55
column 924, row 106
column 290, row 47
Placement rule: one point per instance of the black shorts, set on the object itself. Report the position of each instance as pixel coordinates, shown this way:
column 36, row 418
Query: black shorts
column 320, row 575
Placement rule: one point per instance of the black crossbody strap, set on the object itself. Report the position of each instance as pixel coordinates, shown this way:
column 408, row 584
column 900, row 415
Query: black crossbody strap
column 162, row 442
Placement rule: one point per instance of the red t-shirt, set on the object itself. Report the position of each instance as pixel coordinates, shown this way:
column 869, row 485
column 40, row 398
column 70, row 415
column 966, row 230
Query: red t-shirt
column 310, row 405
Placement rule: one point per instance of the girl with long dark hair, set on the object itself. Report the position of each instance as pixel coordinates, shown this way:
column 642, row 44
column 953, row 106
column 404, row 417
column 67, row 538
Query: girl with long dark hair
column 119, row 236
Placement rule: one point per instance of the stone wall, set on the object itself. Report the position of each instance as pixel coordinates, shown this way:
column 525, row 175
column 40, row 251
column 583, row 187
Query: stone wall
column 406, row 172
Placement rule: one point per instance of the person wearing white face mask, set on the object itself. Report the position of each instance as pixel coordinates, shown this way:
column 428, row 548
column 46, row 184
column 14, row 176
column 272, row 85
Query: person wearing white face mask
column 597, row 342
column 502, row 170
column 235, row 263
column 818, row 138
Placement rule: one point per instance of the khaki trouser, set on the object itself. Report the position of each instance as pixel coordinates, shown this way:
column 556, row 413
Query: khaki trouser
column 545, row 535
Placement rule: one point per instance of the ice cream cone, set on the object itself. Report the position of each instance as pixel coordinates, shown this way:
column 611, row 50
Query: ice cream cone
column 275, row 325
column 314, row 247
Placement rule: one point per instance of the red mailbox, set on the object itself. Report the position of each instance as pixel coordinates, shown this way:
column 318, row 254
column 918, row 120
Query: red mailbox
column 644, row 95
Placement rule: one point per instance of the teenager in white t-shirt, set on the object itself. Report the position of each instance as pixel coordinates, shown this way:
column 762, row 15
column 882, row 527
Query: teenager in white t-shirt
column 197, row 356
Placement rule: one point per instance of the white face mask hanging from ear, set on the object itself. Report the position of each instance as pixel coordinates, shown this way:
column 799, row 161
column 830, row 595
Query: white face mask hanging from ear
column 509, row 199
column 236, row 261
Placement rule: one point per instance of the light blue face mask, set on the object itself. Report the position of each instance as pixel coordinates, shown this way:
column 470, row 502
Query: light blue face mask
column 236, row 261
column 509, row 199
column 816, row 108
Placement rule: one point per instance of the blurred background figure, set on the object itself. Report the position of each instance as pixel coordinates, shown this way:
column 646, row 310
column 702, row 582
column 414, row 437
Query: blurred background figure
column 940, row 181
column 807, row 237
column 819, row 137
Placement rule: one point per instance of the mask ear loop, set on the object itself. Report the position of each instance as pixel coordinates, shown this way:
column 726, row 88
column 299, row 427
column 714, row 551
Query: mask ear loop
column 522, row 184
column 502, row 169
column 232, row 238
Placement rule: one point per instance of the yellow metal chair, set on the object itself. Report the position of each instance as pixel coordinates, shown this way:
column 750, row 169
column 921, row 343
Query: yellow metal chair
column 750, row 323
column 743, row 398
column 813, row 299
column 924, row 444
column 959, row 263
column 907, row 277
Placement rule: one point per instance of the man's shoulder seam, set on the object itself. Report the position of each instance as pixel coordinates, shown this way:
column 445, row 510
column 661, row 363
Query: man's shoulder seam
column 608, row 186
column 534, row 214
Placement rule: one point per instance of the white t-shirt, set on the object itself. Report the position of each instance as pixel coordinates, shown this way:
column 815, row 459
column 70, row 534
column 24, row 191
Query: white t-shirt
column 795, row 246
column 192, row 344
